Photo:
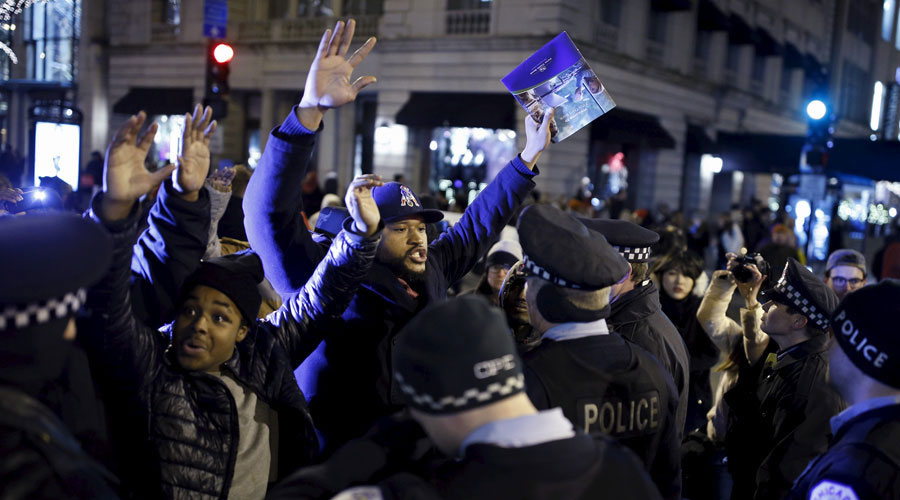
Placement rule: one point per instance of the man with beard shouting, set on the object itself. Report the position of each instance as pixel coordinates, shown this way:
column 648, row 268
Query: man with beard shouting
column 348, row 378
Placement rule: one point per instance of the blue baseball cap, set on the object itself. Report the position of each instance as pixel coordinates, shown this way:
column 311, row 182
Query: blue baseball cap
column 397, row 202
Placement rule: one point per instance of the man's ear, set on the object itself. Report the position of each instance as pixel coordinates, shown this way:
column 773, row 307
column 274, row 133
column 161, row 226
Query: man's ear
column 800, row 322
column 242, row 331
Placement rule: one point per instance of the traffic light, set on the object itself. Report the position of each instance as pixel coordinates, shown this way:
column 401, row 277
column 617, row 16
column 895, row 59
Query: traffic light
column 218, row 60
column 820, row 133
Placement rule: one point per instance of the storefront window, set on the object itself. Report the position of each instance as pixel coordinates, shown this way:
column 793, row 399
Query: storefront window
column 465, row 159
column 52, row 31
column 167, row 139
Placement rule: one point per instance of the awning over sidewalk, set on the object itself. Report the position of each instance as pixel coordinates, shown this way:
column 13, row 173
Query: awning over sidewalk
column 452, row 109
column 876, row 160
column 156, row 101
column 631, row 127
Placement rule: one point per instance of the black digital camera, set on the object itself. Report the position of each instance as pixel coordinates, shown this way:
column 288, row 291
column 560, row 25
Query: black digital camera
column 740, row 268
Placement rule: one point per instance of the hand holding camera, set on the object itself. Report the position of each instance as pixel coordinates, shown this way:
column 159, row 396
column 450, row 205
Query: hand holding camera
column 750, row 272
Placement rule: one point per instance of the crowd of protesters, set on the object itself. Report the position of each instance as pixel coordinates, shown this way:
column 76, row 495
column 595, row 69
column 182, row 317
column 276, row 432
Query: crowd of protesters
column 222, row 333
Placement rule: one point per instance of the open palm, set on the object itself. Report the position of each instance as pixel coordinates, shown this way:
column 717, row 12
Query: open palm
column 328, row 83
column 193, row 162
column 125, row 178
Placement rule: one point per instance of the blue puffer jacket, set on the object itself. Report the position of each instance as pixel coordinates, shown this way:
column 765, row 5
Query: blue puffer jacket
column 177, row 430
column 348, row 379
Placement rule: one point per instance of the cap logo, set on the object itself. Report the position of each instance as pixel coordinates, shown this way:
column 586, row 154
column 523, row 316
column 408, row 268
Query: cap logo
column 871, row 353
column 407, row 198
column 491, row 367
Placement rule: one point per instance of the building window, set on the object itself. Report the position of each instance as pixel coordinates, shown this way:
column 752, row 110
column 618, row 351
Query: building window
column 703, row 45
column 889, row 11
column 363, row 7
column 787, row 77
column 758, row 74
column 856, row 94
column 172, row 14
column 611, row 12
column 469, row 4
column 862, row 16
column 656, row 26
column 52, row 31
column 734, row 57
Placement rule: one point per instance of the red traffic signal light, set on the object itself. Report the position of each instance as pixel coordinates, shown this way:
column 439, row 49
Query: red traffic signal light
column 223, row 53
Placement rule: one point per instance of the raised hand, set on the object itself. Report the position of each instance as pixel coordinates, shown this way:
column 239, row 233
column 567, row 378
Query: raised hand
column 328, row 83
column 362, row 205
column 193, row 162
column 537, row 138
column 125, row 178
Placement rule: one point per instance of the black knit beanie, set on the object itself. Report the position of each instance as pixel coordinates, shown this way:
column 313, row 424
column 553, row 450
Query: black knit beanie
column 235, row 275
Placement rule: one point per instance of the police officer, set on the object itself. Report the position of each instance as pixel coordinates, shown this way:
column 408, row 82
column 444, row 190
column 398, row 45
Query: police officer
column 776, row 438
column 604, row 385
column 636, row 314
column 49, row 261
column 863, row 460
column 458, row 370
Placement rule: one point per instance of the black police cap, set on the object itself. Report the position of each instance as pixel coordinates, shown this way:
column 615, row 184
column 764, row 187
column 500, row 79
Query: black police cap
column 47, row 261
column 800, row 289
column 560, row 249
column 628, row 238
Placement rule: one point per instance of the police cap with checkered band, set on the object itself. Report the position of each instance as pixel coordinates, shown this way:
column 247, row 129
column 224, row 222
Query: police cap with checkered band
column 560, row 249
column 628, row 238
column 47, row 261
column 457, row 355
column 398, row 202
column 800, row 289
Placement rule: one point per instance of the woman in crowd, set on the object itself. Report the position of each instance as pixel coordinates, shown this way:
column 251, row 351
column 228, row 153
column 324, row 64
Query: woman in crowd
column 677, row 273
column 499, row 259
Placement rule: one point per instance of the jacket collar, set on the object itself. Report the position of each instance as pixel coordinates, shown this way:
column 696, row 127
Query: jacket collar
column 383, row 282
column 635, row 305
column 789, row 356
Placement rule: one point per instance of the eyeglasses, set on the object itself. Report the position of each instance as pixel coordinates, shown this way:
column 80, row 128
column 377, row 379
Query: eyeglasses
column 841, row 281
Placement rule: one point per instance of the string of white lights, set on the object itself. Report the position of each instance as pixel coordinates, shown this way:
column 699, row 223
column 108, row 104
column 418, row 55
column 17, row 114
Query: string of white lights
column 10, row 8
column 9, row 52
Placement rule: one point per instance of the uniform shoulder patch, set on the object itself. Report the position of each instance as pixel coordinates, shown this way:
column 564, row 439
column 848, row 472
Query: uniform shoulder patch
column 830, row 490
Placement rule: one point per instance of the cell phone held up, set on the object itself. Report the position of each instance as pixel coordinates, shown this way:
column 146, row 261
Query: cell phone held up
column 32, row 199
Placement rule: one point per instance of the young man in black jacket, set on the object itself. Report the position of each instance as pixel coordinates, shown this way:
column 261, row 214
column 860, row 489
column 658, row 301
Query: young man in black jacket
column 209, row 407
column 348, row 379
column 459, row 373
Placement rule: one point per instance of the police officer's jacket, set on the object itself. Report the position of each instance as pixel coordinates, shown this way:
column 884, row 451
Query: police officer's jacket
column 349, row 379
column 178, row 431
column 795, row 406
column 637, row 316
column 863, row 461
column 41, row 458
column 607, row 386
column 576, row 466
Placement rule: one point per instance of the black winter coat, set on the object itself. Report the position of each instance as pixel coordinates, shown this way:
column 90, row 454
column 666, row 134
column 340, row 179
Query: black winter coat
column 638, row 318
column 790, row 425
column 180, row 429
column 39, row 457
column 580, row 467
column 863, row 457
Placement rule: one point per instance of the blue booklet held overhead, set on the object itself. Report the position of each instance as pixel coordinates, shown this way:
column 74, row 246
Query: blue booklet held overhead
column 557, row 76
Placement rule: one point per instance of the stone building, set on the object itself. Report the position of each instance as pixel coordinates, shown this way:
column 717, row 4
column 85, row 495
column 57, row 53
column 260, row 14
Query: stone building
column 682, row 72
